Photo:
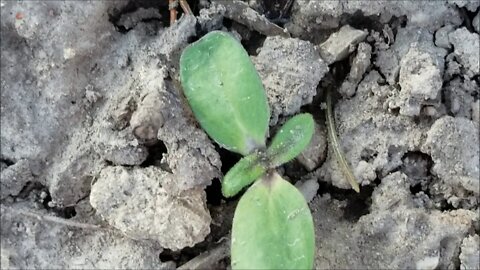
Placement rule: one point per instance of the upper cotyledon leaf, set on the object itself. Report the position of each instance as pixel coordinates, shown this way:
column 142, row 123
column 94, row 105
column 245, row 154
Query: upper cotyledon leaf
column 225, row 92
column 272, row 227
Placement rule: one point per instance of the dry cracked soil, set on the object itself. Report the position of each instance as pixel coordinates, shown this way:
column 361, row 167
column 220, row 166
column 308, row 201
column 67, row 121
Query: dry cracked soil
column 103, row 165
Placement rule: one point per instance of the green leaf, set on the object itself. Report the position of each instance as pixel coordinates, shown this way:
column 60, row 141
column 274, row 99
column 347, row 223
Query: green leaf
column 291, row 139
column 225, row 92
column 245, row 172
column 272, row 228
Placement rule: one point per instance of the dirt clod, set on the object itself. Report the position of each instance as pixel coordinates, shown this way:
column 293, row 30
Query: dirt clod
column 292, row 81
column 339, row 44
column 135, row 202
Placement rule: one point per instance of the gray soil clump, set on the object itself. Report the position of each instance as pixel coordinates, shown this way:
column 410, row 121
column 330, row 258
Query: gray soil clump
column 466, row 48
column 135, row 202
column 452, row 144
column 372, row 154
column 14, row 178
column 420, row 81
column 73, row 247
column 360, row 64
column 295, row 83
column 470, row 250
column 429, row 239
column 104, row 166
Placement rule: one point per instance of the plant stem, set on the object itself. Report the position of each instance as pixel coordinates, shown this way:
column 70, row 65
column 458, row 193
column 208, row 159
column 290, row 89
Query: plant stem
column 333, row 138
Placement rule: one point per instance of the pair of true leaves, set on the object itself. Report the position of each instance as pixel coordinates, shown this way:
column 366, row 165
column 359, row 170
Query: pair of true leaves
column 272, row 226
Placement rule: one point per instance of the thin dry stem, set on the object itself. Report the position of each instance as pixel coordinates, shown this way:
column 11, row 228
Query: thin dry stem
column 173, row 11
column 333, row 138
column 185, row 7
column 172, row 6
column 51, row 219
column 207, row 259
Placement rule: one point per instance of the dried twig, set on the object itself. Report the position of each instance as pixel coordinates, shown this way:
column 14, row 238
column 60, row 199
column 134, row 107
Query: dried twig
column 242, row 13
column 333, row 139
column 51, row 219
column 172, row 6
column 207, row 259
column 185, row 7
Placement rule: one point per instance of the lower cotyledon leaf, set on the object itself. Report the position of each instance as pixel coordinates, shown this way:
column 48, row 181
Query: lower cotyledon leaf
column 245, row 172
column 272, row 227
column 291, row 139
column 225, row 92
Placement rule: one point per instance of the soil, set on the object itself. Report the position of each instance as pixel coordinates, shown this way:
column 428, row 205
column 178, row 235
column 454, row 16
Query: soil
column 104, row 166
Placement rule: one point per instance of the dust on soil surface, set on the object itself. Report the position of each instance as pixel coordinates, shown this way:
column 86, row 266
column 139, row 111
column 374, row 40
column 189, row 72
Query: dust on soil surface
column 104, row 166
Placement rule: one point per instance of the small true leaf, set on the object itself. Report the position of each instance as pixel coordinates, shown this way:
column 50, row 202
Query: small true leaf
column 245, row 172
column 291, row 139
column 272, row 228
column 225, row 92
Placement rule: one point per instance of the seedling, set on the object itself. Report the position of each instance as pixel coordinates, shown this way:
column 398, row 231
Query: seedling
column 272, row 226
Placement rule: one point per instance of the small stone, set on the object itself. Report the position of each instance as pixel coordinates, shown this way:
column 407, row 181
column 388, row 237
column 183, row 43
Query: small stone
column 148, row 119
column 428, row 263
column 360, row 64
column 459, row 96
column 469, row 256
column 91, row 95
column 476, row 23
column 316, row 152
column 420, row 80
column 121, row 114
column 453, row 68
column 388, row 61
column 441, row 36
column 68, row 53
column 211, row 18
column 41, row 54
column 308, row 188
column 466, row 47
column 337, row 46
column 430, row 111
column 365, row 172
column 43, row 195
column 470, row 5
column 476, row 111
column 125, row 153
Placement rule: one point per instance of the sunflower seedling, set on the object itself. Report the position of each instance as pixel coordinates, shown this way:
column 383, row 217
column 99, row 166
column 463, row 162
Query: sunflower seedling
column 272, row 225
